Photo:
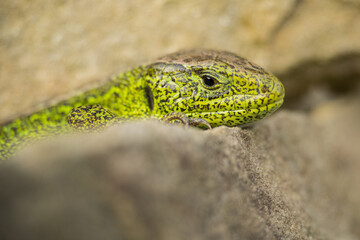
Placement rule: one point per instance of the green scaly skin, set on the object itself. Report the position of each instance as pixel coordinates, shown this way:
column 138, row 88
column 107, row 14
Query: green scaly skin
column 196, row 86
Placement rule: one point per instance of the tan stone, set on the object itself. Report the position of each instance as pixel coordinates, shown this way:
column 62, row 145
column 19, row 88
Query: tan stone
column 51, row 49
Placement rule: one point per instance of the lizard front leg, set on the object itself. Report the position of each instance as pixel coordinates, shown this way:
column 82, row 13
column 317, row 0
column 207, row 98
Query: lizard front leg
column 91, row 117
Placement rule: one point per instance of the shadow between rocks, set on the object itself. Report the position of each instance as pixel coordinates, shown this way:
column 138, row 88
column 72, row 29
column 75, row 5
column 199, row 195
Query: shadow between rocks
column 337, row 76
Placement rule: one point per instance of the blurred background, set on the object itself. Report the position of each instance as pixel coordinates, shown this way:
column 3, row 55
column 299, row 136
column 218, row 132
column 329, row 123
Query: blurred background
column 52, row 49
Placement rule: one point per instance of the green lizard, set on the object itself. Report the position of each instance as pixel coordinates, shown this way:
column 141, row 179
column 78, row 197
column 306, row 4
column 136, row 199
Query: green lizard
column 197, row 87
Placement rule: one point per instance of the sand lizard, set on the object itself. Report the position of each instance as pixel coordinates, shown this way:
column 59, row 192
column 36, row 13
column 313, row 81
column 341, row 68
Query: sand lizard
column 197, row 87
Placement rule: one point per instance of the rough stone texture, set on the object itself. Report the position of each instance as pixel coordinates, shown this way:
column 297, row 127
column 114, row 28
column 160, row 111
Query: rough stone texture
column 339, row 121
column 282, row 179
column 52, row 48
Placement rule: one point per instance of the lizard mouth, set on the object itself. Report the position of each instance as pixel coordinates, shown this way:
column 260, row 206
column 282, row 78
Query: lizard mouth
column 237, row 103
column 239, row 116
column 263, row 107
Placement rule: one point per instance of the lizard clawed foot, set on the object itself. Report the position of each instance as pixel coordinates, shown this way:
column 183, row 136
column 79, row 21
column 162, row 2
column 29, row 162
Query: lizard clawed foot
column 186, row 121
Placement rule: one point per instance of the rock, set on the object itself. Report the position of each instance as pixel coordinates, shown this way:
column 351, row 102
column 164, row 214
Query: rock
column 339, row 122
column 276, row 180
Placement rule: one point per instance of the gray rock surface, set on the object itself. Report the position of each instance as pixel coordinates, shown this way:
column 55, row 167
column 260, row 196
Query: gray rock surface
column 280, row 179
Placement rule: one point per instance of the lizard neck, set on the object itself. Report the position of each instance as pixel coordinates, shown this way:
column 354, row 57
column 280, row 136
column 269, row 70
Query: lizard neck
column 124, row 94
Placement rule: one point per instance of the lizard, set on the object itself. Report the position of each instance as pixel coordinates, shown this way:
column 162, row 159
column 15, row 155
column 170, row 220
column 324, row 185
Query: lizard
column 204, row 88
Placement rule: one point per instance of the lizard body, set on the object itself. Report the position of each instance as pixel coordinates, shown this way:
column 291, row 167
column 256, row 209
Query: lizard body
column 219, row 88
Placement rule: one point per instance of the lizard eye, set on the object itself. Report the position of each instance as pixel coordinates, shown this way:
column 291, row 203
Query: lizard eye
column 209, row 81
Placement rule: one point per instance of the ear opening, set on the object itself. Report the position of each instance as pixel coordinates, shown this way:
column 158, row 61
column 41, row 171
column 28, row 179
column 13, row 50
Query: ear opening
column 150, row 97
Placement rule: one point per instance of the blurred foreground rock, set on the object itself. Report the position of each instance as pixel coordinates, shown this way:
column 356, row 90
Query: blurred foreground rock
column 280, row 179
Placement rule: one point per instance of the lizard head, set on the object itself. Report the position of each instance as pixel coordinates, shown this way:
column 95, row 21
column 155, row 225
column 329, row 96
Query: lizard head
column 217, row 86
